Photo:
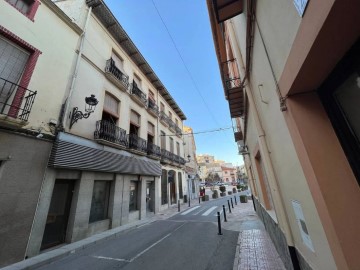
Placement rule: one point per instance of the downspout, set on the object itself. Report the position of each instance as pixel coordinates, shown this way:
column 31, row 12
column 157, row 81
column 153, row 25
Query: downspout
column 74, row 76
column 267, row 159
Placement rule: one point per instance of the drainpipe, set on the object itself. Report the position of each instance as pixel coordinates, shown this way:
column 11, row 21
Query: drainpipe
column 278, row 200
column 74, row 76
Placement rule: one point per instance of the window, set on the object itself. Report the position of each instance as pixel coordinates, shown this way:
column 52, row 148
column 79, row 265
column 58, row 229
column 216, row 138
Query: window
column 111, row 109
column 151, row 95
column 163, row 141
column 119, row 62
column 170, row 115
column 162, row 107
column 151, row 133
column 137, row 81
column 26, row 7
column 12, row 64
column 100, row 201
column 265, row 188
column 134, row 123
column 178, row 148
column 176, row 122
column 171, row 145
column 133, row 202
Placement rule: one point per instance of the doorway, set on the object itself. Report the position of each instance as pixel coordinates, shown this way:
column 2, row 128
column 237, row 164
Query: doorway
column 150, row 196
column 58, row 215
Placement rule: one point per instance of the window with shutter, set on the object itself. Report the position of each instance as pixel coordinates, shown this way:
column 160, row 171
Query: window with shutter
column 119, row 63
column 135, row 118
column 111, row 105
column 151, row 128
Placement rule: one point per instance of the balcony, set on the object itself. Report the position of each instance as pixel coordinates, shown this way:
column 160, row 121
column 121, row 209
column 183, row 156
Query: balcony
column 137, row 95
column 109, row 134
column 15, row 104
column 166, row 156
column 116, row 76
column 137, row 144
column 153, row 151
column 182, row 161
column 152, row 108
column 164, row 119
column 178, row 131
column 172, row 125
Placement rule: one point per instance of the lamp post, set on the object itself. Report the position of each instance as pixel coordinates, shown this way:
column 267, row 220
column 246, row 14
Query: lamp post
column 90, row 104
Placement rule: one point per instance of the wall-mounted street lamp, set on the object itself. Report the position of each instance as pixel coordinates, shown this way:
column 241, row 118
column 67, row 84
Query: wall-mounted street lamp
column 188, row 156
column 90, row 104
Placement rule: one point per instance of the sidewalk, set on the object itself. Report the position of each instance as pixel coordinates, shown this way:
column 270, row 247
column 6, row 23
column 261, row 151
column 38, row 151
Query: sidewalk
column 254, row 248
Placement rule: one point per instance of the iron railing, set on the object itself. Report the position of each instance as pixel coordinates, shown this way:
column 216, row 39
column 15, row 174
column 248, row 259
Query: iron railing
column 172, row 125
column 153, row 107
column 135, row 90
column 153, row 150
column 108, row 131
column 178, row 131
column 232, row 83
column 165, row 154
column 118, row 74
column 15, row 101
column 182, row 161
column 137, row 143
column 164, row 117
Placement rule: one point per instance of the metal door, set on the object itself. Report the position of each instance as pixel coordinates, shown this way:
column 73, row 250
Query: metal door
column 58, row 215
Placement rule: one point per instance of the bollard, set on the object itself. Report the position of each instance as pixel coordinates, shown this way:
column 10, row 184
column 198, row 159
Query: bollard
column 224, row 210
column 219, row 223
column 229, row 206
column 235, row 200
column 178, row 205
column 232, row 205
column 189, row 201
column 199, row 199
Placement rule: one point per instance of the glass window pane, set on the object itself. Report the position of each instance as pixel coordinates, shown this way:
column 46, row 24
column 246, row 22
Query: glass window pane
column 100, row 201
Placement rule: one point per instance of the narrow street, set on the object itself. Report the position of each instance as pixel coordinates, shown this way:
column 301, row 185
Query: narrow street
column 188, row 240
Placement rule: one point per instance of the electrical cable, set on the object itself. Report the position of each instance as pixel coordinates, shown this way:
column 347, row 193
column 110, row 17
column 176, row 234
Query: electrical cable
column 182, row 59
column 199, row 132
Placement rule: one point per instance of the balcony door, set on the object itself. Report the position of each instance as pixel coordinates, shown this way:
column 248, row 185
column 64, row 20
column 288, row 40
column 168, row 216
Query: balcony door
column 12, row 64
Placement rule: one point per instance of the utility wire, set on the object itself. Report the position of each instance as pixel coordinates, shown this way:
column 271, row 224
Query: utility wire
column 182, row 59
column 200, row 132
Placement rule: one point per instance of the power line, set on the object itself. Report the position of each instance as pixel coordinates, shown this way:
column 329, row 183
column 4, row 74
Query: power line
column 188, row 71
column 200, row 132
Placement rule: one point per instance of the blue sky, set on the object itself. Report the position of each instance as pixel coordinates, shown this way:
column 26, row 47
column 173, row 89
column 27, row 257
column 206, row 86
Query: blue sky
column 200, row 95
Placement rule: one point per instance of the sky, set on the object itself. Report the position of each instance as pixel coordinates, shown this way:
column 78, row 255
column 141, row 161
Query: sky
column 179, row 47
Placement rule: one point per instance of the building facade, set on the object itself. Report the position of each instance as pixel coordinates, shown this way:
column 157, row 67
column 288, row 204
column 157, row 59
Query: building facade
column 74, row 172
column 33, row 36
column 191, row 167
column 290, row 72
column 228, row 174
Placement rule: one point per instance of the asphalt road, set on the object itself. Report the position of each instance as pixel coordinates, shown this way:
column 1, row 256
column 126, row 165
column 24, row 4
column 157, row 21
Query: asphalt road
column 185, row 241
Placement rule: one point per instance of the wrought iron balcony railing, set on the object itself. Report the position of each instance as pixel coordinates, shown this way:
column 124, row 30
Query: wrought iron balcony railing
column 15, row 100
column 164, row 118
column 176, row 158
column 153, row 150
column 182, row 161
column 108, row 131
column 166, row 154
column 137, row 143
column 172, row 125
column 153, row 107
column 117, row 73
column 232, row 83
column 135, row 90
column 178, row 131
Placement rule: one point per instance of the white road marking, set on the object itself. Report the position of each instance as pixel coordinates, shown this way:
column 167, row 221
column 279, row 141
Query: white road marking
column 141, row 253
column 109, row 258
column 198, row 212
column 190, row 210
column 209, row 211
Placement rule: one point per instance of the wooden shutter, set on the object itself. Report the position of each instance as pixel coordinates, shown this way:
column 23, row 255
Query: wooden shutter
column 111, row 105
column 151, row 128
column 135, row 118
